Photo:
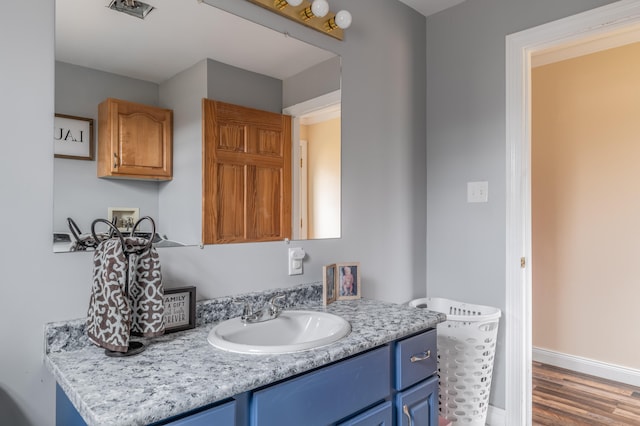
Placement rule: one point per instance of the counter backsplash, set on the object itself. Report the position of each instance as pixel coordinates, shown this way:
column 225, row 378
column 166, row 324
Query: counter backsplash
column 71, row 335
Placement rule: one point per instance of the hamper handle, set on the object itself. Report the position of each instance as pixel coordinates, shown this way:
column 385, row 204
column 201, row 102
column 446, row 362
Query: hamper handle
column 487, row 325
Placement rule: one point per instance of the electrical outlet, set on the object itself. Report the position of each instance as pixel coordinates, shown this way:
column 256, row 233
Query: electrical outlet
column 296, row 255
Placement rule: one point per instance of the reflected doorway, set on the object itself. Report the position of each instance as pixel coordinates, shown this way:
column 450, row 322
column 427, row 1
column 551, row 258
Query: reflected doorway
column 316, row 171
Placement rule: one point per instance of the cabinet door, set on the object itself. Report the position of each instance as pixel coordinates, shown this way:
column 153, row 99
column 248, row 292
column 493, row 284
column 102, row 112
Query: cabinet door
column 380, row 415
column 134, row 141
column 247, row 174
column 327, row 395
column 418, row 406
column 221, row 415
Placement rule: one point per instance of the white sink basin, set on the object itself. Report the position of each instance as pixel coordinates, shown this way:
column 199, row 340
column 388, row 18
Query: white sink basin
column 292, row 331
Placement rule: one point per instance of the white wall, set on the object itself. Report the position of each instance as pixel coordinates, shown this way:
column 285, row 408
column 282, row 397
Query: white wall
column 466, row 142
column 384, row 211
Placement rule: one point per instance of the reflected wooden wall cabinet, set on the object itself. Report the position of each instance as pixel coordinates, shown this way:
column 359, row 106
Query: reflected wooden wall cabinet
column 134, row 141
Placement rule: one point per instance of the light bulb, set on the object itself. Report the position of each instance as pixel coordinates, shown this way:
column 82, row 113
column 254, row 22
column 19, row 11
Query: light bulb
column 343, row 19
column 320, row 8
column 294, row 3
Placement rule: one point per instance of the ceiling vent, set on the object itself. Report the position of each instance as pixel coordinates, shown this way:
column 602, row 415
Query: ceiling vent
column 131, row 7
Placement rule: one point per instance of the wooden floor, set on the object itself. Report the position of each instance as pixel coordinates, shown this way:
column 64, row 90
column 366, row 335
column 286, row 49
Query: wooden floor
column 566, row 398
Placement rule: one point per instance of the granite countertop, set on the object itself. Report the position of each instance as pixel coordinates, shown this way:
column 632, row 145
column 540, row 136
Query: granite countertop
column 181, row 371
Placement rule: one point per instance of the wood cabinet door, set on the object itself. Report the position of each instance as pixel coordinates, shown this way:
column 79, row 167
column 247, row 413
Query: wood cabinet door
column 135, row 140
column 246, row 174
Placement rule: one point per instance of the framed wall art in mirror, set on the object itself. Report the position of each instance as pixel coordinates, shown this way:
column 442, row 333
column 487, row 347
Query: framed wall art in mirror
column 73, row 137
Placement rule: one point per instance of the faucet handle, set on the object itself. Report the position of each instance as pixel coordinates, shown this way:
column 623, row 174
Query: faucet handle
column 246, row 309
column 276, row 308
column 277, row 298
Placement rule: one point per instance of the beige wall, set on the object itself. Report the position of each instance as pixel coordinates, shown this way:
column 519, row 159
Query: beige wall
column 323, row 178
column 586, row 206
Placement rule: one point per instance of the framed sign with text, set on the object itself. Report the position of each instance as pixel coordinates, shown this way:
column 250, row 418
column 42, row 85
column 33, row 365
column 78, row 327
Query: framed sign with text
column 73, row 137
column 179, row 309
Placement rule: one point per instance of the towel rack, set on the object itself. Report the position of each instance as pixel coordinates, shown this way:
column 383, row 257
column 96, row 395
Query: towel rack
column 84, row 242
column 115, row 231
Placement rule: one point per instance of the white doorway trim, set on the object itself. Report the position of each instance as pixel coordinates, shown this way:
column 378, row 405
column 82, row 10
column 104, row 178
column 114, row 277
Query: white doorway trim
column 303, row 173
column 519, row 48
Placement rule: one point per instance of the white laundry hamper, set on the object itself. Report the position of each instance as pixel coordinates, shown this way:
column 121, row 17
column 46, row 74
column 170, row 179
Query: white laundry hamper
column 466, row 351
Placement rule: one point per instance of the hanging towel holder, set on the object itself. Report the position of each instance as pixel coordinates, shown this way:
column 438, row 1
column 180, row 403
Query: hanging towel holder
column 135, row 347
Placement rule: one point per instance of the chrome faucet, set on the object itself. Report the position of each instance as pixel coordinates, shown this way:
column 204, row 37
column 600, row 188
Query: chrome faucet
column 271, row 310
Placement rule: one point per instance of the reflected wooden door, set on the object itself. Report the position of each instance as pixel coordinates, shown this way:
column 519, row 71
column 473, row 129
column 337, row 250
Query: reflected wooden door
column 246, row 174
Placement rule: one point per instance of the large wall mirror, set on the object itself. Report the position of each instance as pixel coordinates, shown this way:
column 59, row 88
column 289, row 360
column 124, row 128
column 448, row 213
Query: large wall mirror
column 181, row 52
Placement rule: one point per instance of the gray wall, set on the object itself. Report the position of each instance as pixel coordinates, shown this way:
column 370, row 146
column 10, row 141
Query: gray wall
column 77, row 192
column 384, row 199
column 309, row 84
column 466, row 142
column 234, row 85
column 180, row 200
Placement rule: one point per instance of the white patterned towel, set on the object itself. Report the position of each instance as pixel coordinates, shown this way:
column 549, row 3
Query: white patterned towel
column 116, row 310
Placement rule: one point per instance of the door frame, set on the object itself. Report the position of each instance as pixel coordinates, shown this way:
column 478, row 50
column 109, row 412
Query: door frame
column 296, row 112
column 519, row 48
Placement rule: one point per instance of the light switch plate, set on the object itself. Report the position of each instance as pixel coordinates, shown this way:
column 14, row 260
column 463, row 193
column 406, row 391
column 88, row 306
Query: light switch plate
column 478, row 192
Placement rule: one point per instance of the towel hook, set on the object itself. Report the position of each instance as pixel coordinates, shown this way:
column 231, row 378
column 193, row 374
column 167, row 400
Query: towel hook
column 153, row 231
column 114, row 231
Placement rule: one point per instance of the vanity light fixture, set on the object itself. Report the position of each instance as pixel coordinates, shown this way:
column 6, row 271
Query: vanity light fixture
column 131, row 7
column 312, row 13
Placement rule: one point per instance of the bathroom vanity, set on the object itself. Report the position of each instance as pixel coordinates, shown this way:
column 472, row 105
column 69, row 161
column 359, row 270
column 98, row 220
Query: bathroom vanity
column 383, row 372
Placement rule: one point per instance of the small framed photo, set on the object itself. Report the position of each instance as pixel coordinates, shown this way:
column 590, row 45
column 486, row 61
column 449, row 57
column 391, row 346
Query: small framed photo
column 73, row 137
column 348, row 285
column 179, row 309
column 328, row 284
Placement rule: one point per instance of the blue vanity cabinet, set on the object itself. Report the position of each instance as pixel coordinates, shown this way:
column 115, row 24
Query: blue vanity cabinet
column 418, row 405
column 393, row 384
column 416, row 359
column 416, row 382
column 223, row 414
column 327, row 395
column 66, row 414
column 380, row 415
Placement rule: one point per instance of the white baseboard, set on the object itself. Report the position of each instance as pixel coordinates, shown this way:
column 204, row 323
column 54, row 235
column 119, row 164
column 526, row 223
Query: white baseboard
column 617, row 373
column 496, row 416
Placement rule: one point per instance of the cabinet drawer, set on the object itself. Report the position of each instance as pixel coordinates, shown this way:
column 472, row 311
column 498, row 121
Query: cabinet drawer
column 223, row 415
column 415, row 359
column 380, row 415
column 326, row 395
